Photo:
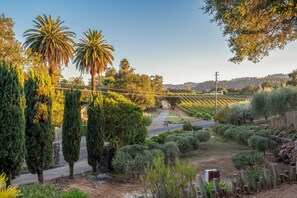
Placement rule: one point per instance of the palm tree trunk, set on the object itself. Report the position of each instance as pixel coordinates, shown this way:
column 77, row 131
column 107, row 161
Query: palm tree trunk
column 51, row 72
column 93, row 82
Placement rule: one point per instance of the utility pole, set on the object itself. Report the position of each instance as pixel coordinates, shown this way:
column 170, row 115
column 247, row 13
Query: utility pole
column 216, row 93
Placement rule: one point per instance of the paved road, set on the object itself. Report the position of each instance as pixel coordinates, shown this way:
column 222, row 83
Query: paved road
column 159, row 121
column 82, row 165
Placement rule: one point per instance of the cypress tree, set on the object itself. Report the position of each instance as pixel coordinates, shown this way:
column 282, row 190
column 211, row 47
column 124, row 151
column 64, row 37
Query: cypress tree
column 38, row 93
column 12, row 122
column 71, row 129
column 95, row 130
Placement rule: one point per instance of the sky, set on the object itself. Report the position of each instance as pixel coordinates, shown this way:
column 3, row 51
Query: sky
column 172, row 38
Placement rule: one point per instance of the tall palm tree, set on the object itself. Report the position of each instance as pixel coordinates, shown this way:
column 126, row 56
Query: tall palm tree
column 53, row 41
column 93, row 54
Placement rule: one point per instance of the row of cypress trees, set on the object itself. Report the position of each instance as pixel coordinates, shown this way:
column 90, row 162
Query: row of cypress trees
column 26, row 124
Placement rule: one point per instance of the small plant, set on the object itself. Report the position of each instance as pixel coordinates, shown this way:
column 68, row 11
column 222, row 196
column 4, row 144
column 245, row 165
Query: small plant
column 8, row 191
column 168, row 181
column 187, row 126
column 74, row 193
column 197, row 128
column 209, row 186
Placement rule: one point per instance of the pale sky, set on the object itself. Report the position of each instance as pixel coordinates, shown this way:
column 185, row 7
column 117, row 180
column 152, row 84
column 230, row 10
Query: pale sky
column 172, row 38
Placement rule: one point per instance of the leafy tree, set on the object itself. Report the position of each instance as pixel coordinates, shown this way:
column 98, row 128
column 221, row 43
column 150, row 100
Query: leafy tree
column 254, row 27
column 124, row 121
column 125, row 68
column 38, row 113
column 282, row 100
column 10, row 49
column 93, row 54
column 76, row 81
column 58, row 108
column 293, row 76
column 53, row 41
column 12, row 124
column 71, row 131
column 111, row 72
column 95, row 131
column 260, row 106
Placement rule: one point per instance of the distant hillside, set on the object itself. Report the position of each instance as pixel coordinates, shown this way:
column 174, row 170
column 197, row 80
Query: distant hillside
column 239, row 83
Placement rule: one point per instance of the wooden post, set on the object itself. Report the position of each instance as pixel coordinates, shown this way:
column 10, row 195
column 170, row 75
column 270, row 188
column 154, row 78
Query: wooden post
column 217, row 187
column 193, row 191
column 201, row 186
column 293, row 173
column 234, row 187
column 267, row 177
column 213, row 194
column 275, row 174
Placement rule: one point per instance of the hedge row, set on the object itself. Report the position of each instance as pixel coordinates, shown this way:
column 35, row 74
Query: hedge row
column 256, row 137
column 133, row 159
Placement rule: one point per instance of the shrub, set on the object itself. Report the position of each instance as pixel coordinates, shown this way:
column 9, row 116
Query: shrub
column 258, row 143
column 171, row 152
column 230, row 133
column 193, row 142
column 173, row 138
column 8, row 191
column 187, row 126
column 148, row 121
column 247, row 160
column 40, row 191
column 162, row 137
column 184, row 145
column 197, row 128
column 132, row 159
column 202, row 136
column 154, row 145
column 221, row 130
column 173, row 180
column 74, row 193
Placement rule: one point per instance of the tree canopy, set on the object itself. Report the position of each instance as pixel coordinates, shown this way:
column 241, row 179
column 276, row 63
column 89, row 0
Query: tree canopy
column 254, row 27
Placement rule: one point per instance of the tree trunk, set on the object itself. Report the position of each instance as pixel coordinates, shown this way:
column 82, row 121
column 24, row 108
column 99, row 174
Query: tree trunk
column 94, row 169
column 40, row 176
column 71, row 171
column 51, row 72
column 93, row 82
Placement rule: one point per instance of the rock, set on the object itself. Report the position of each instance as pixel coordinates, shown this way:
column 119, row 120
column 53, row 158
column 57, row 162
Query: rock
column 103, row 176
column 98, row 184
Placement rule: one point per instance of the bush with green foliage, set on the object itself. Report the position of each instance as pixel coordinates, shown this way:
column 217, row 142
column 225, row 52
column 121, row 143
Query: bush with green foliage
column 173, row 180
column 247, row 160
column 154, row 145
column 38, row 113
column 187, row 126
column 258, row 143
column 124, row 121
column 49, row 191
column 162, row 137
column 12, row 121
column 171, row 152
column 197, row 128
column 74, row 193
column 193, row 142
column 40, row 191
column 132, row 159
column 202, row 136
column 203, row 116
column 71, row 129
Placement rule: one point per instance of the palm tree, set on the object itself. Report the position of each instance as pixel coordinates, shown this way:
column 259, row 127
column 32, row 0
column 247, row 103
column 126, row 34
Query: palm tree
column 93, row 54
column 52, row 41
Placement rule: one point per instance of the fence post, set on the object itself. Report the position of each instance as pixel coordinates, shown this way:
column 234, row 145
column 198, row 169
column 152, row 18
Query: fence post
column 201, row 186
